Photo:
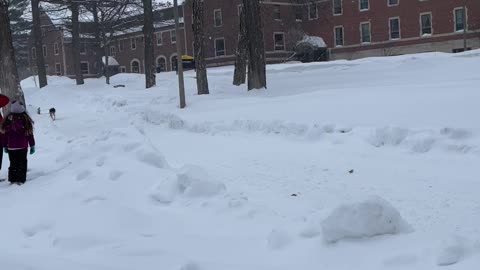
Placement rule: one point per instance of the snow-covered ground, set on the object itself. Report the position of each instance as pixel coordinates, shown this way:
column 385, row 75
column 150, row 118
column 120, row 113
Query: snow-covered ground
column 386, row 148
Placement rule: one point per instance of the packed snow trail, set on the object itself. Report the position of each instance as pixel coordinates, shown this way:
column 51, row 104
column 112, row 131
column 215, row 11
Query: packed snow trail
column 125, row 180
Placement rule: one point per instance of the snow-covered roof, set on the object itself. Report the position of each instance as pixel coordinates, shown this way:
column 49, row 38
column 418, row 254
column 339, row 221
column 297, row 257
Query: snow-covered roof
column 111, row 61
column 314, row 41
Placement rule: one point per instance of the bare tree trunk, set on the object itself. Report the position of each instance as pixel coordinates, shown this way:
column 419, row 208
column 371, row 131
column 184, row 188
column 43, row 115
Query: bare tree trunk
column 256, row 47
column 148, row 35
column 181, row 82
column 9, row 80
column 107, row 58
column 199, row 45
column 240, row 73
column 37, row 39
column 76, row 44
column 98, row 41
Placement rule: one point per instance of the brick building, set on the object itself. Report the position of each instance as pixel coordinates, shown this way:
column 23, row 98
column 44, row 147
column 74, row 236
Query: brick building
column 350, row 29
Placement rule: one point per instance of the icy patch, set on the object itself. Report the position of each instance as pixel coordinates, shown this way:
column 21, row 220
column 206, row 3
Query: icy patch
column 372, row 217
column 278, row 239
column 451, row 251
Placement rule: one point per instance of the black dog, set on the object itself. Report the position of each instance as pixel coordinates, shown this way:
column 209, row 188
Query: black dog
column 52, row 113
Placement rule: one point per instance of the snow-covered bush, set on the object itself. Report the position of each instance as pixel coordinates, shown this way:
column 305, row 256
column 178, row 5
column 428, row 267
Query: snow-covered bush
column 372, row 217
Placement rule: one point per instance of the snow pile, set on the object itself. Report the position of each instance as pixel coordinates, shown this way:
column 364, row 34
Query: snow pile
column 191, row 181
column 314, row 41
column 451, row 251
column 372, row 217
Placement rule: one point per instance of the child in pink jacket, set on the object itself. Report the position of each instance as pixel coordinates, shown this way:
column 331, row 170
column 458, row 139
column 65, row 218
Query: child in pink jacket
column 18, row 136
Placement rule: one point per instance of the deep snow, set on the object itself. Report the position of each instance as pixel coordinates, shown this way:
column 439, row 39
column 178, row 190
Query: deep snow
column 244, row 180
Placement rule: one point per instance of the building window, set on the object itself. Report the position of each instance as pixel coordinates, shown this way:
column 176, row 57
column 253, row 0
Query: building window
column 217, row 17
column 113, row 51
column 84, row 68
column 133, row 43
column 312, row 12
column 276, row 13
column 173, row 36
column 298, row 13
column 394, row 28
column 392, row 3
column 34, row 53
column 365, row 32
column 44, row 50
column 173, row 62
column 338, row 36
column 364, row 5
column 161, row 64
column 279, row 39
column 56, row 49
column 219, row 47
column 159, row 39
column 135, row 66
column 44, row 32
column 58, row 69
column 337, row 7
column 123, row 69
column 83, row 48
column 460, row 19
column 120, row 46
column 426, row 24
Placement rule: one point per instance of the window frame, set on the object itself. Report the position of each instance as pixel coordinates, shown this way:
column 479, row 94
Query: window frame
column 464, row 22
column 224, row 47
column 173, row 35
column 59, row 71
column 44, row 50
column 133, row 43
column 275, row 42
column 88, row 67
column 310, row 18
column 215, row 17
column 390, row 28
column 421, row 24
column 157, row 35
column 341, row 8
column 369, row 32
column 393, row 5
column 335, row 35
column 360, row 5
column 56, row 48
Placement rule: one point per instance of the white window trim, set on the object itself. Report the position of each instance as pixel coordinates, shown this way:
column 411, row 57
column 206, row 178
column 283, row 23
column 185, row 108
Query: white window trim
column 56, row 48
column 171, row 37
column 421, row 26
column 113, row 51
column 394, row 5
column 34, row 52
column 275, row 44
column 133, row 40
column 139, row 66
column 333, row 8
column 122, row 68
column 369, row 32
column 159, row 34
column 88, row 67
column 316, row 12
column 360, row 6
column 455, row 20
column 221, row 17
column 390, row 28
column 335, row 36
column 224, row 47
column 161, row 57
column 171, row 61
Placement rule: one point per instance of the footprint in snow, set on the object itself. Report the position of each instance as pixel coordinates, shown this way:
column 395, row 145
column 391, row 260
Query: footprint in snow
column 115, row 175
column 83, row 175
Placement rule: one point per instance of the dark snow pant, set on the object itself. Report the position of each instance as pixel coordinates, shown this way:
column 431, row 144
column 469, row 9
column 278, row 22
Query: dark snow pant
column 17, row 173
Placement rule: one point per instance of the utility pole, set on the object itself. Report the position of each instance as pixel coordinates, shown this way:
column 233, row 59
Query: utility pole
column 181, row 83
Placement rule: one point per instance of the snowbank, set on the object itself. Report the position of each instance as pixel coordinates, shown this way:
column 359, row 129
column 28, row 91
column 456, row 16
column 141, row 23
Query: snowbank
column 372, row 217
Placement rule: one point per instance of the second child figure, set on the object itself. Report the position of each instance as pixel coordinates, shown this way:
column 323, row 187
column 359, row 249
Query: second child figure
column 18, row 129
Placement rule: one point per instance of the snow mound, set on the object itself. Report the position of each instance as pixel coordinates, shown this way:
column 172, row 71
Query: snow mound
column 388, row 136
column 372, row 217
column 278, row 239
column 152, row 158
column 193, row 181
column 451, row 251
